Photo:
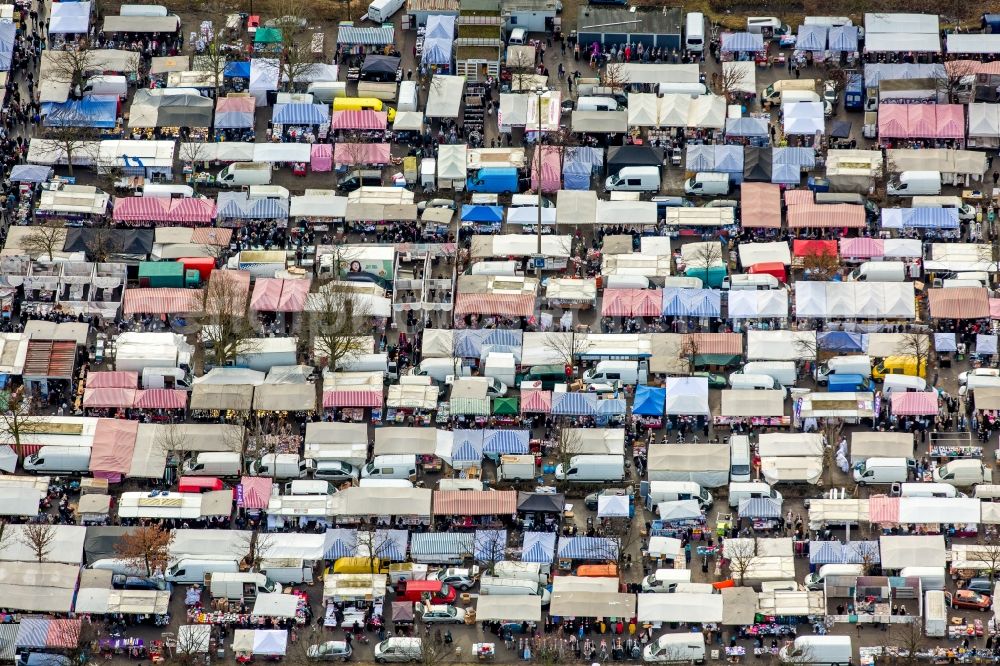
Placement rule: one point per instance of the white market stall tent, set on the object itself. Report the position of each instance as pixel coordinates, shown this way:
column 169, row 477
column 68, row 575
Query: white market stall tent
column 781, row 345
column 680, row 607
column 924, row 550
column 938, row 510
column 526, row 608
column 764, row 304
column 444, row 98
column 687, row 395
column 748, row 404
column 855, row 300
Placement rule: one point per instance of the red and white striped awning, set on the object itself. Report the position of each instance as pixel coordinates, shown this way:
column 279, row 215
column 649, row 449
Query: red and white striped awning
column 112, row 379
column 108, row 398
column 915, row 403
column 995, row 308
column 145, row 211
column 161, row 300
column 279, row 295
column 718, row 343
column 796, row 197
column 536, row 401
column 359, row 120
column 161, row 399
column 475, row 502
column 508, row 305
column 356, row 154
column 333, row 399
column 826, row 216
column 254, row 492
column 883, row 510
column 862, row 247
column 959, row 303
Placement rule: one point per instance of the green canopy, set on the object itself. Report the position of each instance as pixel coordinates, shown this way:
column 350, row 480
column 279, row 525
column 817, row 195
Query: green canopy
column 716, row 359
column 505, row 406
column 267, row 36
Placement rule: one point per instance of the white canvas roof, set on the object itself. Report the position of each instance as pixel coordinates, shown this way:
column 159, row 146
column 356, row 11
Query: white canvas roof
column 789, row 444
column 912, row 551
column 746, row 404
column 837, row 512
column 972, row 43
column 866, row 445
column 445, row 96
column 103, row 601
column 984, row 119
column 680, row 607
column 781, row 345
column 44, row 587
column 930, row 510
column 65, row 545
column 576, row 207
column 689, row 458
column 451, row 161
column 275, row 605
column 707, row 111
column 317, row 205
column 383, row 502
column 526, row 608
column 592, row 604
column 416, row 441
column 642, row 110
column 596, row 441
column 626, row 212
column 687, row 395
column 758, row 304
column 759, row 253
column 658, row 73
column 520, row 245
column 791, row 470
column 870, row 300
column 209, row 544
column 792, row 603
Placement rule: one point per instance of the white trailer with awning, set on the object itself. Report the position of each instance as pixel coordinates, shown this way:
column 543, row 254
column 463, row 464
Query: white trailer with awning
column 843, row 405
column 172, row 505
column 347, row 442
column 973, row 557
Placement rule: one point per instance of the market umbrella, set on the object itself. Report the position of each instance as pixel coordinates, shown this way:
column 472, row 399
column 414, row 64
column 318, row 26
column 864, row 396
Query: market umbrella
column 505, row 406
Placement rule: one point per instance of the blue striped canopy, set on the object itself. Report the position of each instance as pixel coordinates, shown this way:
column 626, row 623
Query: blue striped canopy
column 786, row 174
column 351, row 35
column 811, row 38
column 799, row 156
column 467, row 445
column 300, row 114
column 729, row 159
column 238, row 205
column 680, row 302
column 538, row 547
column 428, row 545
column 506, row 442
column 392, row 544
column 491, row 545
column 700, row 157
column 7, row 38
column 843, row 38
column 33, row 633
column 340, row 543
column 611, row 407
column 760, row 507
column 595, row 549
column 742, row 41
column 836, row 552
column 574, row 404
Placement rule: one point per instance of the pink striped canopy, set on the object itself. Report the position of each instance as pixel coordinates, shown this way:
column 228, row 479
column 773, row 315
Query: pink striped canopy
column 161, row 399
column 109, row 379
column 108, row 398
column 550, row 172
column 826, row 216
column 995, row 308
column 632, row 303
column 923, row 121
column 114, row 443
column 793, row 197
column 510, row 305
column 915, row 403
column 354, row 398
column 321, row 157
column 353, row 154
column 161, row 300
column 146, row 211
column 280, row 295
column 883, row 510
column 256, row 492
column 862, row 247
column 364, row 119
column 536, row 401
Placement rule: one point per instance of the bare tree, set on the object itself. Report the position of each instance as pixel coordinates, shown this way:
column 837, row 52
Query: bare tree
column 224, row 322
column 832, row 430
column 987, row 555
column 44, row 240
column 103, row 244
column 339, row 323
column 958, row 74
column 435, row 651
column 375, row 546
column 567, row 346
column 214, row 55
column 569, row 444
column 820, row 265
column 907, row 641
column 145, row 548
column 353, row 150
column 615, row 76
column 295, row 57
column 193, row 152
column 918, row 347
column 16, row 419
column 39, row 538
column 868, row 554
column 521, row 64
column 257, row 545
column 740, row 554
column 704, row 257
column 689, row 353
column 837, row 75
column 67, row 142
column 490, row 547
column 731, row 80
column 71, row 66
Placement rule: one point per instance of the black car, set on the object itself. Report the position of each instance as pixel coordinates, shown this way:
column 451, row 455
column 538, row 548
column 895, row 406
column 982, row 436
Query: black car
column 980, row 585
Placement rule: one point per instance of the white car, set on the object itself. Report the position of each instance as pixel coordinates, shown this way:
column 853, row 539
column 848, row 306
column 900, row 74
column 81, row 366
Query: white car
column 963, row 378
column 436, row 203
column 442, row 614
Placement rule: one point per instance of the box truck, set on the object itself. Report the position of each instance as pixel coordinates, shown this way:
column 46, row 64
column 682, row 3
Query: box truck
column 516, row 468
column 502, row 180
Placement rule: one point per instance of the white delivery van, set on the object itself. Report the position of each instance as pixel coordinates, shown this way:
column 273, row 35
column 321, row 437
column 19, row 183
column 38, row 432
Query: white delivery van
column 750, row 282
column 592, row 103
column 742, row 382
column 242, row 585
column 783, row 372
column 192, row 571
column 240, row 174
column 818, row 651
column 739, row 491
column 307, row 487
column 625, row 372
column 213, row 463
column 814, row 581
column 694, row 35
column 913, row 183
column 677, row 491
column 665, row 580
column 881, row 470
column 966, row 472
column 399, row 648
column 503, row 268
column 856, row 364
column 365, row 363
column 500, row 366
column 634, row 179
column 879, row 271
column 592, row 469
column 391, row 467
column 533, row 571
column 380, row 11
column 626, row 282
column 931, row 578
column 740, row 458
column 407, row 96
column 440, row 369
column 106, row 84
column 493, row 585
column 926, row 490
column 685, row 647
column 517, row 37
column 167, row 191
column 324, row 92
column 168, row 378
column 935, row 614
column 903, row 384
column 706, row 184
column 59, row 460
column 281, row 466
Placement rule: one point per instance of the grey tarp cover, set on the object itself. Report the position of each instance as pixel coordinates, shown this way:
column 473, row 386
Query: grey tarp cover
column 622, row 156
column 551, row 503
column 757, row 164
column 179, row 110
column 592, row 604
column 739, row 605
column 238, row 397
column 100, row 542
column 285, row 397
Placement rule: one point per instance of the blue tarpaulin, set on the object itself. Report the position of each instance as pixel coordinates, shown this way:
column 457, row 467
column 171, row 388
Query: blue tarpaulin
column 799, row 156
column 473, row 213
column 649, row 400
column 475, row 343
column 538, row 547
column 237, row 70
column 746, row 126
column 578, row 166
column 786, row 174
column 101, row 112
column 300, row 114
column 840, row 341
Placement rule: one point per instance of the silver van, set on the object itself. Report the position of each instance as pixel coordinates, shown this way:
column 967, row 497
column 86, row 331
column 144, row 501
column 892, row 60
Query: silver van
column 399, row 648
column 634, row 179
column 391, row 467
column 739, row 458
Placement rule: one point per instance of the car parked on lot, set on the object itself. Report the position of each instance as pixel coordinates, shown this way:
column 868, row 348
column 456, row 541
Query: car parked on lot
column 330, row 651
column 442, row 614
column 980, row 585
column 968, row 599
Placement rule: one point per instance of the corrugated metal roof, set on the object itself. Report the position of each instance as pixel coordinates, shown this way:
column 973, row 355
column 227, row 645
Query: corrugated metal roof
column 50, row 358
